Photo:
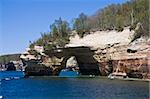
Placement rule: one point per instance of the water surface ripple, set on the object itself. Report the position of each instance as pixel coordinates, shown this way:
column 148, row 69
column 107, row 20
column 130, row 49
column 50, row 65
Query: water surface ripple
column 73, row 88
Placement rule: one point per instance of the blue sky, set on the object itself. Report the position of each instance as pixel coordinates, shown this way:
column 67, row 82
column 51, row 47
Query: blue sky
column 22, row 21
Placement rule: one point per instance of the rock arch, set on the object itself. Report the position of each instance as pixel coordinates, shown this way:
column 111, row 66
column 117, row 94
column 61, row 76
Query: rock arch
column 84, row 56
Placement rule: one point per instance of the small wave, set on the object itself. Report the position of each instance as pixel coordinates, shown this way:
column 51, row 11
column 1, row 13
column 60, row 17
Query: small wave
column 10, row 78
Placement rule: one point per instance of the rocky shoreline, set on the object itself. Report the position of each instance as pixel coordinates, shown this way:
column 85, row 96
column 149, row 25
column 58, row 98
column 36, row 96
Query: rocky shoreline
column 118, row 56
column 77, row 77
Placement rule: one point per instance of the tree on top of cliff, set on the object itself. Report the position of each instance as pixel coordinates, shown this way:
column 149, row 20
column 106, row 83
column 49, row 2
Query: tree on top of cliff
column 112, row 17
column 81, row 24
column 60, row 32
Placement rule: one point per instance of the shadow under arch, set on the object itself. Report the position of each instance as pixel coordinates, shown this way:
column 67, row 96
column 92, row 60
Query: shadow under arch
column 84, row 57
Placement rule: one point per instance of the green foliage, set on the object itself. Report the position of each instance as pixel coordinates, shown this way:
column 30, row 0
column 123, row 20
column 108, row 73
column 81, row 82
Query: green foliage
column 43, row 40
column 81, row 25
column 58, row 36
column 49, row 46
column 60, row 32
column 119, row 16
column 112, row 17
column 141, row 12
column 4, row 59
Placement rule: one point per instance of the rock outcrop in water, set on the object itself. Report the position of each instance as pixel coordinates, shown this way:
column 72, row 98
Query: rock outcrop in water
column 10, row 66
column 110, row 51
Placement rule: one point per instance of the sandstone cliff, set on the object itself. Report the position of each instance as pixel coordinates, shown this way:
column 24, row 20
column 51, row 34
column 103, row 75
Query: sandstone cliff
column 115, row 51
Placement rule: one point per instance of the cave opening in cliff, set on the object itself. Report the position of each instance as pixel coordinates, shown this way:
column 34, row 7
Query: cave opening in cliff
column 72, row 63
column 70, row 67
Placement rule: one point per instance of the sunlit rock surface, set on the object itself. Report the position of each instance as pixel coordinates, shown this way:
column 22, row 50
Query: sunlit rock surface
column 100, row 39
column 110, row 51
column 115, row 50
column 72, row 62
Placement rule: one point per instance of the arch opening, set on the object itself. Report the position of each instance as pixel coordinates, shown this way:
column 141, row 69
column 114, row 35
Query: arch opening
column 70, row 66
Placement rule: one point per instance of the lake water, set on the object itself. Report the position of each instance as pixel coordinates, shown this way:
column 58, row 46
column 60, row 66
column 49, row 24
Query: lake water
column 70, row 88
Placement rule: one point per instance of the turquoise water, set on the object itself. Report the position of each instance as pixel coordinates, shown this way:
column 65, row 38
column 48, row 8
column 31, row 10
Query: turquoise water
column 71, row 88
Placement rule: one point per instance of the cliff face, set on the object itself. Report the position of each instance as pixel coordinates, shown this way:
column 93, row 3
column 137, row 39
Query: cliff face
column 126, row 59
column 115, row 52
column 100, row 39
column 100, row 53
column 56, row 60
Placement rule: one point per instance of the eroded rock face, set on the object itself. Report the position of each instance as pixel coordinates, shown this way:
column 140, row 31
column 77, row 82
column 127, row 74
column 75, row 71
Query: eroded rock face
column 104, row 61
column 136, row 62
column 102, row 53
column 57, row 61
column 114, row 50
column 35, row 68
column 130, row 66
